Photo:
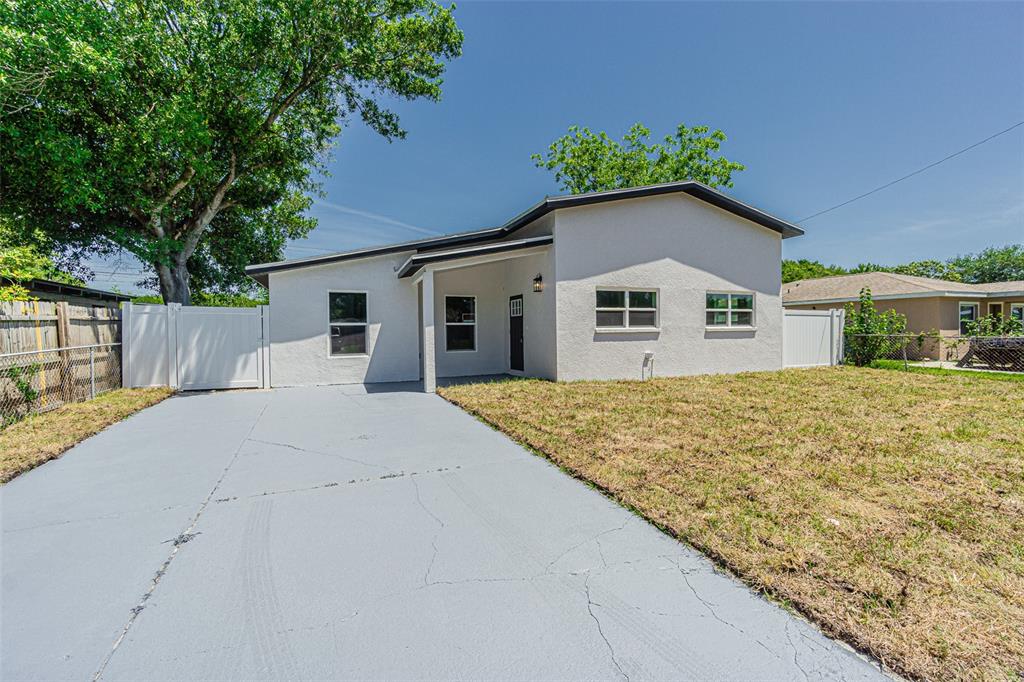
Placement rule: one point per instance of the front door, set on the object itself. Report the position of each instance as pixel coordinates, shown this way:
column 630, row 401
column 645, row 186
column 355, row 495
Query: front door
column 515, row 333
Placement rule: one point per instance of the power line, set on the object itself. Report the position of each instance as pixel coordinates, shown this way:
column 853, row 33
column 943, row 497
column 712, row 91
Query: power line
column 910, row 175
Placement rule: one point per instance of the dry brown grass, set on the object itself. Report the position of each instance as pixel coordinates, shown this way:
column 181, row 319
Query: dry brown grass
column 886, row 506
column 42, row 437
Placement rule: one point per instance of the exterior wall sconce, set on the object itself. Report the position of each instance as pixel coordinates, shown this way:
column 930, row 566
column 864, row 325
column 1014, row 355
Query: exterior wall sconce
column 538, row 284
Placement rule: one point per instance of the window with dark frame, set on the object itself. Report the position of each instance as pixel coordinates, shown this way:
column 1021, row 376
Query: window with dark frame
column 968, row 314
column 460, row 323
column 626, row 309
column 726, row 309
column 346, row 311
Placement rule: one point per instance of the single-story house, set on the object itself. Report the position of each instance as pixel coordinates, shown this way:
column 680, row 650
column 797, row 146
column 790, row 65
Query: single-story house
column 928, row 304
column 671, row 279
column 47, row 290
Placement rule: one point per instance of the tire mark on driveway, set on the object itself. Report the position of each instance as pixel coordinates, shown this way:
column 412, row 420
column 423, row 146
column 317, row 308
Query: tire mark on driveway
column 137, row 609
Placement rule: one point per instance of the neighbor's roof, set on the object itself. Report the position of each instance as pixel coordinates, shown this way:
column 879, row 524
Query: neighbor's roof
column 888, row 285
column 538, row 210
column 45, row 286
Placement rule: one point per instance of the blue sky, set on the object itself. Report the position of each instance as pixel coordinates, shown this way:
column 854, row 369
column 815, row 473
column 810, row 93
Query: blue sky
column 821, row 102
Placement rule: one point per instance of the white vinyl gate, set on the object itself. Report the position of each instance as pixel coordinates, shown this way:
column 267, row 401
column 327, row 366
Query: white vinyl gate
column 195, row 348
column 812, row 337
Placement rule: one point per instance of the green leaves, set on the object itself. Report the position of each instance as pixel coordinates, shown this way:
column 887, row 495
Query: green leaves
column 175, row 128
column 584, row 161
column 994, row 264
column 871, row 335
column 793, row 270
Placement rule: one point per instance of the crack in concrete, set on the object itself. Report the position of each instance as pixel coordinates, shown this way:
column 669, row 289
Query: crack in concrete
column 319, row 452
column 182, row 539
column 796, row 658
column 101, row 517
column 590, row 609
column 138, row 608
column 433, row 540
column 711, row 609
column 332, row 484
column 554, row 561
column 469, row 581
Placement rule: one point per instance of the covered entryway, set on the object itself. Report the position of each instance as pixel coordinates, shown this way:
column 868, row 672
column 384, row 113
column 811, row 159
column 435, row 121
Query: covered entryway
column 474, row 314
column 195, row 347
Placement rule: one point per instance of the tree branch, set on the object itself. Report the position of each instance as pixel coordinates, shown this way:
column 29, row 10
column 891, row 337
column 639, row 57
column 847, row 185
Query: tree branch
column 194, row 228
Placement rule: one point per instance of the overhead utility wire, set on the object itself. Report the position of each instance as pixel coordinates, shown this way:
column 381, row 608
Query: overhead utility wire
column 910, row 175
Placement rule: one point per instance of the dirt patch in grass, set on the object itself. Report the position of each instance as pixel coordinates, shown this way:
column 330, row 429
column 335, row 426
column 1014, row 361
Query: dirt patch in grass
column 886, row 506
column 42, row 437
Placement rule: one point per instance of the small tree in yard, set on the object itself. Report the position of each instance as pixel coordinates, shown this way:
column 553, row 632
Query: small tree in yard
column 190, row 132
column 870, row 334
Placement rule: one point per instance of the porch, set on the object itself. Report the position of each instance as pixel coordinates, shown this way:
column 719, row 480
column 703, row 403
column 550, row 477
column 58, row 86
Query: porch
column 484, row 311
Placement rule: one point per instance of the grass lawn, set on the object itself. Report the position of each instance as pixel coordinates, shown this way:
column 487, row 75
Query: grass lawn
column 947, row 371
column 886, row 506
column 38, row 438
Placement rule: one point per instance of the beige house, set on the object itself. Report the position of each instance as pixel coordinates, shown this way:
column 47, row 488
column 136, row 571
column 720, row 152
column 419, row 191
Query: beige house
column 928, row 304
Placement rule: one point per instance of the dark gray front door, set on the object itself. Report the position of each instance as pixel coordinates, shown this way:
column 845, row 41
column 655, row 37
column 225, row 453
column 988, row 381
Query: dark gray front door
column 515, row 333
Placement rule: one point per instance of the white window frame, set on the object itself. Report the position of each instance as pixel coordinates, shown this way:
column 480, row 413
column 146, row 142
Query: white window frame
column 1017, row 306
column 476, row 315
column 626, row 327
column 729, row 310
column 335, row 356
column 960, row 320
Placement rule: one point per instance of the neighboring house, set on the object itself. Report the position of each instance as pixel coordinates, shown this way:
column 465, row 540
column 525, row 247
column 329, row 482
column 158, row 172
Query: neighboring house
column 928, row 304
column 669, row 279
column 46, row 290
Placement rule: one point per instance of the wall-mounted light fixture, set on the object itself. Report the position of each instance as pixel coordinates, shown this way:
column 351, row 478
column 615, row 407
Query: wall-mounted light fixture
column 538, row 284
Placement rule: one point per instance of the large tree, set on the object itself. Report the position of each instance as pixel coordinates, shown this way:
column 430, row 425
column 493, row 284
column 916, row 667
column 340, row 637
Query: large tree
column 994, row 264
column 793, row 270
column 585, row 161
column 191, row 132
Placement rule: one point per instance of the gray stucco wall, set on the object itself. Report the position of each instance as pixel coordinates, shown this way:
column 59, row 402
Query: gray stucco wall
column 684, row 248
column 492, row 285
column 299, row 353
column 674, row 243
column 299, row 326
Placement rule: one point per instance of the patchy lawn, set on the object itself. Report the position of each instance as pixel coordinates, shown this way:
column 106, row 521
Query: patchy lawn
column 39, row 438
column 886, row 506
column 980, row 375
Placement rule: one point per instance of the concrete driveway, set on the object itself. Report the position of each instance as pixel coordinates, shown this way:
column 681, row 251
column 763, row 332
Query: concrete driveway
column 334, row 533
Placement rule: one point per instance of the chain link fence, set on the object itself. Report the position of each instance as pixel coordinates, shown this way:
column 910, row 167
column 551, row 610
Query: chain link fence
column 42, row 380
column 993, row 353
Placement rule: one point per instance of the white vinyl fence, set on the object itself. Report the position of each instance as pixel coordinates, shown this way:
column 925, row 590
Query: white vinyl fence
column 812, row 337
column 195, row 348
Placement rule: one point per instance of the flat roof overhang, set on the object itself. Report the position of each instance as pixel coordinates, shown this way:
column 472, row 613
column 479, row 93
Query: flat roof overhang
column 417, row 261
column 695, row 189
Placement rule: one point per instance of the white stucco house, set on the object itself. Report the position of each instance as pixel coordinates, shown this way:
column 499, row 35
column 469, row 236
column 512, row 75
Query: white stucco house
column 662, row 280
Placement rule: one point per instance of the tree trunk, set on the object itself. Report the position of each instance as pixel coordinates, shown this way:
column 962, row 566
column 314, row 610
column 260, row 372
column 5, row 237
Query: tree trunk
column 174, row 284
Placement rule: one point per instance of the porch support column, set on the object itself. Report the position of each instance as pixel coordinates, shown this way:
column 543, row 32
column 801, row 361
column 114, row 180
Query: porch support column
column 429, row 365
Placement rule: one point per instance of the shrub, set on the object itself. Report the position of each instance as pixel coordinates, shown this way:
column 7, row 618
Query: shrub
column 871, row 335
column 994, row 325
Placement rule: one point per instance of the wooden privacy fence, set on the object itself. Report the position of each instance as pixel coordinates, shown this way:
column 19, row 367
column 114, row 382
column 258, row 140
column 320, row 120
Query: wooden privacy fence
column 42, row 325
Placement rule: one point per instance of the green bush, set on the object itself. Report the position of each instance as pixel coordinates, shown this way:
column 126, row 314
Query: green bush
column 871, row 335
column 217, row 300
column 994, row 325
